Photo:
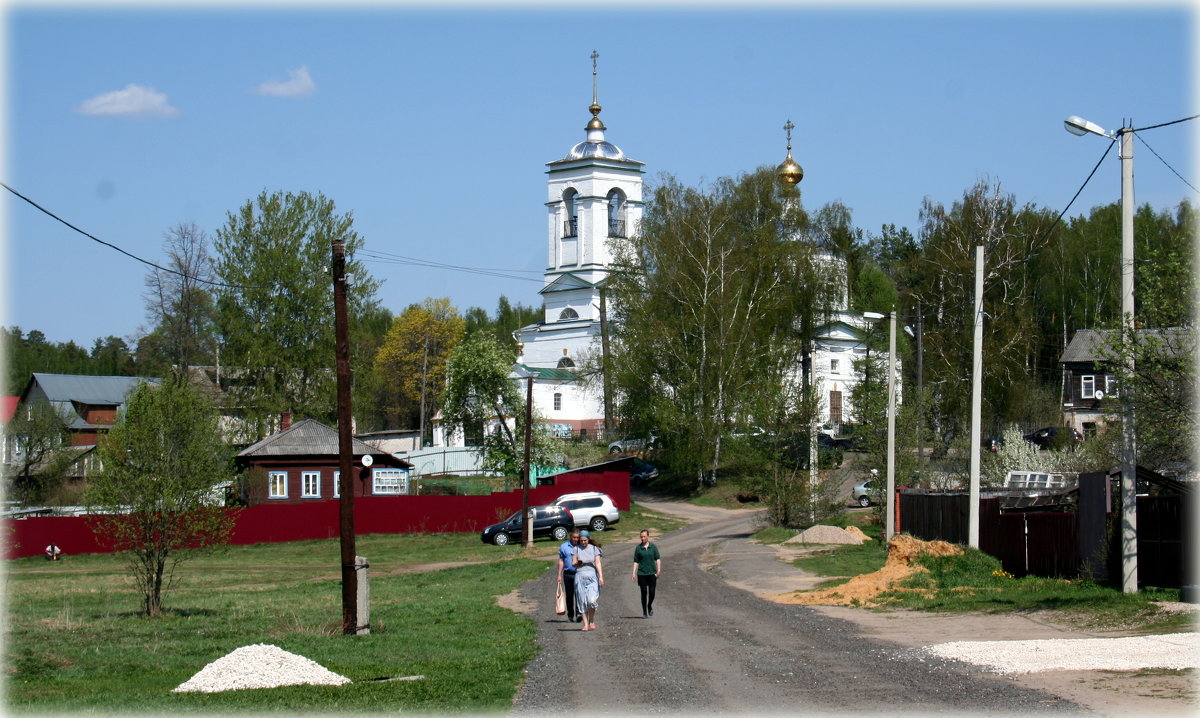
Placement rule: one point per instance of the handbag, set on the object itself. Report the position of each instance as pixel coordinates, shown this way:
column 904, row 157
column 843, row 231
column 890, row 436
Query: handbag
column 560, row 600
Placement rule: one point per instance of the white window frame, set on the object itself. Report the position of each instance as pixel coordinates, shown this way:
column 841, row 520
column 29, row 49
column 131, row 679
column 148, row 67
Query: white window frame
column 1110, row 385
column 558, row 401
column 833, row 366
column 389, row 482
column 1087, row 386
column 337, row 484
column 312, row 491
column 277, row 485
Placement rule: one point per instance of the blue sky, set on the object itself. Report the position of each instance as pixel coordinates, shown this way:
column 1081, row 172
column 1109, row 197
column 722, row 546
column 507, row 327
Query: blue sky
column 433, row 127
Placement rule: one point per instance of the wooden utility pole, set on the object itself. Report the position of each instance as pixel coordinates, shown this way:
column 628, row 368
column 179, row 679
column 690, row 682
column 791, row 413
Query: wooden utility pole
column 345, row 443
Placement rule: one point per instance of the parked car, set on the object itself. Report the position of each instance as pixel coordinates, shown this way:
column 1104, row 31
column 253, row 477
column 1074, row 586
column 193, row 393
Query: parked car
column 642, row 473
column 795, row 449
column 590, row 509
column 861, row 493
column 553, row 521
column 629, row 445
column 1054, row 437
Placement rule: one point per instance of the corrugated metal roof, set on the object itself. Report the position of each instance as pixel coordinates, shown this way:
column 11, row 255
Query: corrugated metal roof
column 307, row 437
column 1085, row 346
column 89, row 389
column 547, row 373
column 1090, row 344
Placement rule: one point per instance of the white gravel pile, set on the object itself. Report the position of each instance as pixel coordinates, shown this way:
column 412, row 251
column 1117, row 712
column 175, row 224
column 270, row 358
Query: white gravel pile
column 1174, row 650
column 824, row 534
column 259, row 666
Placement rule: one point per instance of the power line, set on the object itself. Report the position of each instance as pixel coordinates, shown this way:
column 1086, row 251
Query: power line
column 1164, row 124
column 1160, row 159
column 110, row 245
column 385, row 258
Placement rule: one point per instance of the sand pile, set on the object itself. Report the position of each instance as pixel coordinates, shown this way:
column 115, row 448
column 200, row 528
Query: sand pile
column 856, row 531
column 862, row 590
column 259, row 666
column 825, row 534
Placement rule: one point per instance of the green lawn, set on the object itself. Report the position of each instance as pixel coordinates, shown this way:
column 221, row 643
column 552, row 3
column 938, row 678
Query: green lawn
column 76, row 644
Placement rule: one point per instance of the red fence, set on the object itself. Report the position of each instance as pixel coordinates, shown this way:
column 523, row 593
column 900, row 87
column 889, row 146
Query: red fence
column 319, row 520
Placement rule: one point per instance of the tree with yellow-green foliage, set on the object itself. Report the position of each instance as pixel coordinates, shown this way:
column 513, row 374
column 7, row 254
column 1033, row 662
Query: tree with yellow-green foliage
column 410, row 366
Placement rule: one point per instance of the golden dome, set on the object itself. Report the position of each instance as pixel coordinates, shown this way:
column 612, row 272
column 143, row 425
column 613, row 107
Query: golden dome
column 790, row 171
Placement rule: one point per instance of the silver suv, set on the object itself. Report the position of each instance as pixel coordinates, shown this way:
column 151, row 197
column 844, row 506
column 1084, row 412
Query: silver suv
column 590, row 509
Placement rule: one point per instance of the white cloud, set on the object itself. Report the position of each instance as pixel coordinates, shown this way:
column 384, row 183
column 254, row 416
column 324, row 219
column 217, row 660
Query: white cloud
column 299, row 84
column 133, row 101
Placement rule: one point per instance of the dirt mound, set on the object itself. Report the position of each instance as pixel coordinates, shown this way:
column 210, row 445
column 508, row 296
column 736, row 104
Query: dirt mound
column 856, row 531
column 862, row 590
column 824, row 534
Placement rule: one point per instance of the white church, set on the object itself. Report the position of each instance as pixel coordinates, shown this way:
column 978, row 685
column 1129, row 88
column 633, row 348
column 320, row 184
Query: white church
column 594, row 194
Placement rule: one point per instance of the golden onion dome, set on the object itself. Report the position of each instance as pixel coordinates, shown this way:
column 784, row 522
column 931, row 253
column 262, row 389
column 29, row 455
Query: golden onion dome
column 790, row 171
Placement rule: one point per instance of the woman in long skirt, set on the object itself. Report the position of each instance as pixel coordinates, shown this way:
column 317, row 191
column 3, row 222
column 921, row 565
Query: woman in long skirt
column 589, row 577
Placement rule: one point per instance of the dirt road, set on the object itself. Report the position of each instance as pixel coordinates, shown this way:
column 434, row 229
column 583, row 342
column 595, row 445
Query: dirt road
column 712, row 646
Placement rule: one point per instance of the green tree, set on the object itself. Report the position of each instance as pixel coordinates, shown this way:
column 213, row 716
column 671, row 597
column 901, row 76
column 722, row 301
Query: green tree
column 705, row 301
column 38, row 462
column 153, row 498
column 1010, row 236
column 411, row 363
column 507, row 319
column 276, row 317
column 480, row 392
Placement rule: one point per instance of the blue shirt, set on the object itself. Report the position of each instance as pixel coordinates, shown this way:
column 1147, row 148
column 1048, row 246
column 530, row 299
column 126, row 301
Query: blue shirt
column 566, row 553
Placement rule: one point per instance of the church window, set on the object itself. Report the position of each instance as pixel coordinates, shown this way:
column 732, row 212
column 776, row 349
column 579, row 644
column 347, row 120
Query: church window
column 571, row 223
column 568, row 313
column 566, row 363
column 616, row 213
column 833, row 366
column 557, row 401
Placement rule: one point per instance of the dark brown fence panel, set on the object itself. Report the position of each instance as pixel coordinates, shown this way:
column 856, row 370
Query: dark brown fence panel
column 1161, row 546
column 934, row 517
column 1010, row 546
column 1052, row 544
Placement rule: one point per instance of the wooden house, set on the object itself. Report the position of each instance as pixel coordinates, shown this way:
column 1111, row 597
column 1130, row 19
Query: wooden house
column 301, row 464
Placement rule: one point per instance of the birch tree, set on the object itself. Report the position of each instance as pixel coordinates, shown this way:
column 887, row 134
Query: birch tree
column 705, row 302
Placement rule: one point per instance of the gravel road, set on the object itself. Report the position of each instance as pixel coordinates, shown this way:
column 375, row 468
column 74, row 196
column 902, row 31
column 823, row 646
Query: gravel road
column 713, row 647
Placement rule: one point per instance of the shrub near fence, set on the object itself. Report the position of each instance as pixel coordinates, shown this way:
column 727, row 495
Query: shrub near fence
column 278, row 523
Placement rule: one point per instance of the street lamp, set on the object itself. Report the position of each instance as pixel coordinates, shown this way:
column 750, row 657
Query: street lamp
column 1078, row 126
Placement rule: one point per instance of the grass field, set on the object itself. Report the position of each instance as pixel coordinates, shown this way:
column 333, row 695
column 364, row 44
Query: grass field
column 75, row 643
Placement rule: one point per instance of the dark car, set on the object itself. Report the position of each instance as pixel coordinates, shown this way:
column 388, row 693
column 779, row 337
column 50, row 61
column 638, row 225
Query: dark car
column 642, row 473
column 1054, row 437
column 795, row 450
column 553, row 521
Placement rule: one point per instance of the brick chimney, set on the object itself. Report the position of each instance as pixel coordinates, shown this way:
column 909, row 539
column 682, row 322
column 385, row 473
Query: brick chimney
column 285, row 420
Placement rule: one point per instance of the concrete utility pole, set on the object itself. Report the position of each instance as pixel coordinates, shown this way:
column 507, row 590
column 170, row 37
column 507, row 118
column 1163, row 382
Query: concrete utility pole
column 608, row 409
column 976, row 403
column 891, row 427
column 345, row 443
column 1129, row 553
column 528, row 521
column 1129, row 570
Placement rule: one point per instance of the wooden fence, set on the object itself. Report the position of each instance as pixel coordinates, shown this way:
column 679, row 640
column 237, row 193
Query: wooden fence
column 1061, row 544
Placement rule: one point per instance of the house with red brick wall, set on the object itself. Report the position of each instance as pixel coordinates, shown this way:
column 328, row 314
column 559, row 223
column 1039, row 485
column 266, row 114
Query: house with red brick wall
column 301, row 464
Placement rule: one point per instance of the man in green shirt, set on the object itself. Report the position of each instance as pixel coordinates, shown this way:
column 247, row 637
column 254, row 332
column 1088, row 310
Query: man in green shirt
column 647, row 565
